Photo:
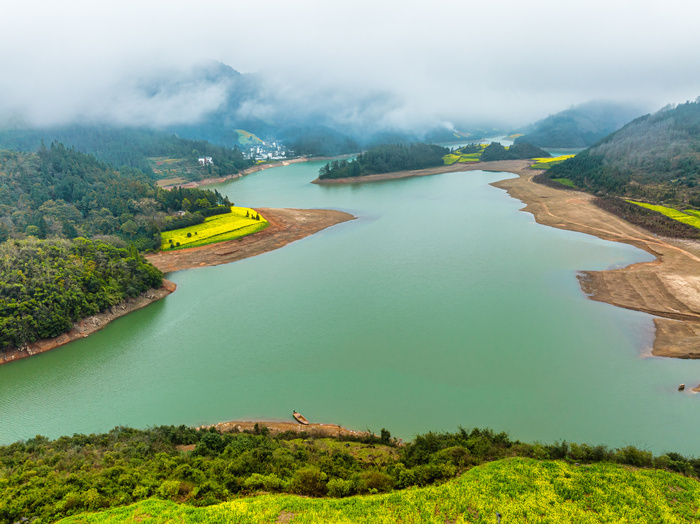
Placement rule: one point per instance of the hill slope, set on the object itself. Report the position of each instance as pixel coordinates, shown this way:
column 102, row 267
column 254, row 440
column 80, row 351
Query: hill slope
column 521, row 490
column 655, row 158
column 581, row 126
column 132, row 147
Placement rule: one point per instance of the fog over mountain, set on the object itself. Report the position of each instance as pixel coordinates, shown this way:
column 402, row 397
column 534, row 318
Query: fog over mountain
column 381, row 65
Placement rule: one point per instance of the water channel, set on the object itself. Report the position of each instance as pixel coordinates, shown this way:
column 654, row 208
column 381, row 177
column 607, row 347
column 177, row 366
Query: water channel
column 441, row 306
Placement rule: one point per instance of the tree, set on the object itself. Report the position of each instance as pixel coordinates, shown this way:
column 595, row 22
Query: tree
column 129, row 228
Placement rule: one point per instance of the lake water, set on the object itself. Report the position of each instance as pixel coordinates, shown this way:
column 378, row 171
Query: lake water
column 441, row 305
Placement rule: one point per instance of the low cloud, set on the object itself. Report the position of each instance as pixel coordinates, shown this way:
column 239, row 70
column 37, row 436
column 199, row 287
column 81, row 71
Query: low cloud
column 354, row 64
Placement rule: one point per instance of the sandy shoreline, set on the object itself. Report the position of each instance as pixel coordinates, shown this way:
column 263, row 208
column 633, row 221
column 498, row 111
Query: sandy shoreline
column 275, row 427
column 668, row 288
column 89, row 325
column 500, row 165
column 286, row 225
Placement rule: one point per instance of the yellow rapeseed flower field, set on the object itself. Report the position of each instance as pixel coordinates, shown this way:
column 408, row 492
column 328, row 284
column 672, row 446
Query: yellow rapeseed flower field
column 215, row 229
column 689, row 217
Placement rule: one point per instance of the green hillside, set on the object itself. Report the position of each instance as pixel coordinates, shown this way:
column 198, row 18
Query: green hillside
column 150, row 151
column 581, row 126
column 653, row 160
column 520, row 490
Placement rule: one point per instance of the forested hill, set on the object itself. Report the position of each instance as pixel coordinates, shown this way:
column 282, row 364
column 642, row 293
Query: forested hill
column 655, row 158
column 386, row 159
column 46, row 285
column 59, row 192
column 130, row 146
column 495, row 151
column 580, row 126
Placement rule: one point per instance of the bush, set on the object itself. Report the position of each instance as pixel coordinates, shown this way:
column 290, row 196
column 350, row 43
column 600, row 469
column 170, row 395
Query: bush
column 634, row 457
column 340, row 488
column 168, row 490
column 309, row 481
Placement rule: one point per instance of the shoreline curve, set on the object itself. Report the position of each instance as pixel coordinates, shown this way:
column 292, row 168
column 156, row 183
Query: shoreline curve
column 286, row 226
column 667, row 288
column 89, row 325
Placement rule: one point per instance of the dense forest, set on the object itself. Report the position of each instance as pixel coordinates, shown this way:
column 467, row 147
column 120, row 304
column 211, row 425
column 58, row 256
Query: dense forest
column 580, row 126
column 59, row 192
column 655, row 158
column 386, row 159
column 131, row 147
column 495, row 151
column 71, row 475
column 318, row 141
column 46, row 285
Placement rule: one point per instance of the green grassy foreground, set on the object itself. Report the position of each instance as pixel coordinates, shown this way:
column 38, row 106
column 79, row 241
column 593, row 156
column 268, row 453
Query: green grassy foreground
column 520, row 489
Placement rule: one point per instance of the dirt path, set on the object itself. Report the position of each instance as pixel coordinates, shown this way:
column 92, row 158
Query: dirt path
column 286, row 225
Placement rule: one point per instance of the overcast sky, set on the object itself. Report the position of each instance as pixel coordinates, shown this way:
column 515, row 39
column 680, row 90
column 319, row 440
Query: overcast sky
column 511, row 61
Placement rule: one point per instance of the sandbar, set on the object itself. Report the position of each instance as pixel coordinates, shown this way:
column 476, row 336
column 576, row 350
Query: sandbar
column 286, row 225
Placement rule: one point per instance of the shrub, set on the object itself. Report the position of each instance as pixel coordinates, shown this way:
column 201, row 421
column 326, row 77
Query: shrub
column 340, row 488
column 309, row 481
column 168, row 490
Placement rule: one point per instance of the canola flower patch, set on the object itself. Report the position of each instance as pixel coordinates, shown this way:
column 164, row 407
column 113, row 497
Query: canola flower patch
column 215, row 229
column 690, row 217
column 546, row 163
column 460, row 156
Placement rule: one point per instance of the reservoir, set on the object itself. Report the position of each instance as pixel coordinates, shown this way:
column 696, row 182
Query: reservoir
column 441, row 306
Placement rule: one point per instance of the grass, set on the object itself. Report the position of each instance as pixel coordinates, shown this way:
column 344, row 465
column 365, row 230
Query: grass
column 690, row 217
column 565, row 182
column 215, row 229
column 520, row 489
column 546, row 163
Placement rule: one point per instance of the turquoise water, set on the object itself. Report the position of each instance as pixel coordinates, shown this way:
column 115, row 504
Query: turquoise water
column 441, row 305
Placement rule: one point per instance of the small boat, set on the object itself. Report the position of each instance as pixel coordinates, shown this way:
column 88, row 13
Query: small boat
column 681, row 387
column 301, row 419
